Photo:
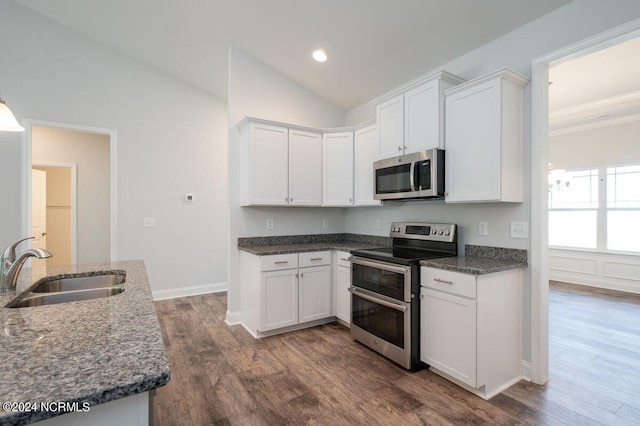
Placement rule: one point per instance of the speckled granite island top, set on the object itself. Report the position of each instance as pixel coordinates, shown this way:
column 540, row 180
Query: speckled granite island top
column 264, row 246
column 480, row 260
column 95, row 351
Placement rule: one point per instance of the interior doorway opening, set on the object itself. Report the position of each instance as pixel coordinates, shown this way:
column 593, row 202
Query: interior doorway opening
column 79, row 214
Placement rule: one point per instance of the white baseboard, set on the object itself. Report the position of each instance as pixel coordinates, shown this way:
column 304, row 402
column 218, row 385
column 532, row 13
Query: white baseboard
column 233, row 318
column 172, row 293
column 599, row 282
column 526, row 370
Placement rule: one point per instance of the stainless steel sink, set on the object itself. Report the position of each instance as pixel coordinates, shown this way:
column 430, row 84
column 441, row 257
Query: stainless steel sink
column 64, row 297
column 80, row 283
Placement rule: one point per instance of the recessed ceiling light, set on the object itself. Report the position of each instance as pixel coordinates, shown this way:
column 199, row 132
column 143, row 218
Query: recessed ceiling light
column 319, row 55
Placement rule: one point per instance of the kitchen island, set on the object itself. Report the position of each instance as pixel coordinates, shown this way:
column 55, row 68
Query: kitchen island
column 106, row 350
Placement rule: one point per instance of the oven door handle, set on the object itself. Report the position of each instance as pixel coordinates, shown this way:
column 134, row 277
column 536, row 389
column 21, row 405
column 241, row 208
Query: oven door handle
column 356, row 292
column 379, row 265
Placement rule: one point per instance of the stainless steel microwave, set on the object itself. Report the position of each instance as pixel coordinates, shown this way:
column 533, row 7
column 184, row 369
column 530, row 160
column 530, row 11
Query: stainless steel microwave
column 412, row 176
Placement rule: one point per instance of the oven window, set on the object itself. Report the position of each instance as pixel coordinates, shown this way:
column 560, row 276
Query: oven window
column 393, row 179
column 381, row 321
column 380, row 281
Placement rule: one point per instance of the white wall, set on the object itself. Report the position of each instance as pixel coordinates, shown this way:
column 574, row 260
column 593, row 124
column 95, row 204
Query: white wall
column 257, row 90
column 90, row 152
column 604, row 146
column 576, row 21
column 171, row 139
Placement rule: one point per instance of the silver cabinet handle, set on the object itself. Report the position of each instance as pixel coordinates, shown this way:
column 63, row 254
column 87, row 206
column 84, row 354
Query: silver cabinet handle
column 282, row 262
column 346, row 259
column 301, row 275
column 440, row 280
column 315, row 258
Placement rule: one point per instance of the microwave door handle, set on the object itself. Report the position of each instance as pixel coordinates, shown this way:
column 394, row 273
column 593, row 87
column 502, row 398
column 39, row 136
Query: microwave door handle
column 411, row 178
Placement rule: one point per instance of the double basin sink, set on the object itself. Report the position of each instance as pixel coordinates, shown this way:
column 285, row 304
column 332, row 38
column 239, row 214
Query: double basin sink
column 72, row 289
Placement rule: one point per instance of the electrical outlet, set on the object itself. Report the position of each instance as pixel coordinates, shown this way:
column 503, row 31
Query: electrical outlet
column 325, row 223
column 483, row 228
column 269, row 223
column 378, row 224
column 149, row 222
column 519, row 230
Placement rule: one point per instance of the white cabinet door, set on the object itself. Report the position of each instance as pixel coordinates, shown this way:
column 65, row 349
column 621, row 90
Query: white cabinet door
column 278, row 299
column 305, row 168
column 448, row 334
column 390, row 115
column 343, row 296
column 268, row 165
column 422, row 118
column 337, row 163
column 315, row 293
column 365, row 153
column 473, row 144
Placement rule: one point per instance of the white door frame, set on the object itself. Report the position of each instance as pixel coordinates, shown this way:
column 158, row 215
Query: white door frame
column 74, row 202
column 539, row 170
column 26, row 174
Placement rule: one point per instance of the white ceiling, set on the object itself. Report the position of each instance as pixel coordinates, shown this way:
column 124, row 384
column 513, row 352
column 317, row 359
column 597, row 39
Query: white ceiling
column 603, row 86
column 373, row 45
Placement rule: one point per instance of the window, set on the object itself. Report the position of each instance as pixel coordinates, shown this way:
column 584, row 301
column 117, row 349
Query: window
column 595, row 208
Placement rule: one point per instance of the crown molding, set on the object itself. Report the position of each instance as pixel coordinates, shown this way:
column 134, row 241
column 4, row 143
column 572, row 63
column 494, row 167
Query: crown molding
column 613, row 121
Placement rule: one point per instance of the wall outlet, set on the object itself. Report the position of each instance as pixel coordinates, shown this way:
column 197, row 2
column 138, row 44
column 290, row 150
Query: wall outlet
column 483, row 228
column 149, row 222
column 325, row 223
column 377, row 224
column 269, row 223
column 519, row 230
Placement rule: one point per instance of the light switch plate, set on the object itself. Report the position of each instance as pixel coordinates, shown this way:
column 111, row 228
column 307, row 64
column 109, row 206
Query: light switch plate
column 519, row 230
column 149, row 222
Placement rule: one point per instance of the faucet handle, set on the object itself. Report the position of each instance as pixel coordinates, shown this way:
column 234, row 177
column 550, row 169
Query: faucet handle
column 10, row 252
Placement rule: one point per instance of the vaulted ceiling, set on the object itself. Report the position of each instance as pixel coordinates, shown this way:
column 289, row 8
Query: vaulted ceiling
column 373, row 45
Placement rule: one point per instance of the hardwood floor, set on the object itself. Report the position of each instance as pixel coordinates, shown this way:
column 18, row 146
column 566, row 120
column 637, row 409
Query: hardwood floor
column 220, row 375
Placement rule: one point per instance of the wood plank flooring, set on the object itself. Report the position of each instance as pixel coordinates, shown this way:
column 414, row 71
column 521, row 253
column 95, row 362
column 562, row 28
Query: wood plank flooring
column 220, row 375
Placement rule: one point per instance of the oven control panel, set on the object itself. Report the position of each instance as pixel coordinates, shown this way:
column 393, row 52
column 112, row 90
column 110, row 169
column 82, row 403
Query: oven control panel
column 424, row 231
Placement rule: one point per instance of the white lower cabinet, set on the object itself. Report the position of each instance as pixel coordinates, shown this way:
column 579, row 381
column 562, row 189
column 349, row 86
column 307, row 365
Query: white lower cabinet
column 279, row 299
column 471, row 328
column 280, row 291
column 343, row 282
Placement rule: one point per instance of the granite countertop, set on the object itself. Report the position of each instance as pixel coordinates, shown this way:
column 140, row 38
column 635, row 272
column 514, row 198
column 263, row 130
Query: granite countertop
column 263, row 246
column 481, row 260
column 95, row 351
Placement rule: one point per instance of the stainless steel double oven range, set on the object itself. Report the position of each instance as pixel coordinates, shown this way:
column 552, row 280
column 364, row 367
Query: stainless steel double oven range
column 385, row 289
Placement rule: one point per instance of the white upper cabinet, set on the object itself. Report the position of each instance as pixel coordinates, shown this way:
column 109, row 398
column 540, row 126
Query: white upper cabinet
column 484, row 139
column 305, row 168
column 337, row 167
column 413, row 120
column 264, row 166
column 281, row 165
column 365, row 153
column 390, row 116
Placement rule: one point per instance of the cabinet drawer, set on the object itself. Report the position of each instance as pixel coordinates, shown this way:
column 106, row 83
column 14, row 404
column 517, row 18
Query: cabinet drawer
column 342, row 259
column 314, row 258
column 279, row 261
column 449, row 281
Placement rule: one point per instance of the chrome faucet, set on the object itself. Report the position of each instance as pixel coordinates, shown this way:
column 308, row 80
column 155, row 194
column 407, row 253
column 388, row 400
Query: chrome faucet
column 11, row 264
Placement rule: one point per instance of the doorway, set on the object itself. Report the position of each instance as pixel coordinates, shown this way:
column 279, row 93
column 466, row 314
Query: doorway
column 54, row 214
column 540, row 182
column 79, row 163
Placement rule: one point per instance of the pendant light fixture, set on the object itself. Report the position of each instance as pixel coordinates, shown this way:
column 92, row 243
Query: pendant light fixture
column 8, row 122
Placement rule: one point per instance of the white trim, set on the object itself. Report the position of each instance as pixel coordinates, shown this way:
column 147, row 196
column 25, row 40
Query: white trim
column 194, row 290
column 478, row 392
column 539, row 161
column 260, row 334
column 585, row 108
column 74, row 202
column 26, row 175
column 233, row 318
column 612, row 121
column 526, row 371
